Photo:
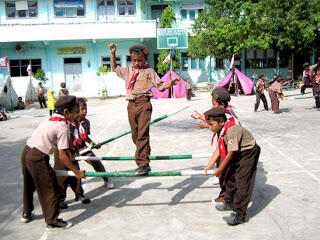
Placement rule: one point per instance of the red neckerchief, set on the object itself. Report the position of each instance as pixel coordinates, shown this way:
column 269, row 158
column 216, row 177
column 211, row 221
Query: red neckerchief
column 59, row 118
column 82, row 131
column 260, row 80
column 75, row 136
column 136, row 72
column 221, row 145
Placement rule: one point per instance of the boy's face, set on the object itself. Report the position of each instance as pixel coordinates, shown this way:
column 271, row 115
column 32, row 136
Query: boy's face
column 318, row 72
column 71, row 116
column 82, row 112
column 262, row 78
column 216, row 104
column 138, row 60
column 214, row 125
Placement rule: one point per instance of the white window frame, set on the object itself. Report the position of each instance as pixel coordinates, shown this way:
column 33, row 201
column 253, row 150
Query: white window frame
column 107, row 62
column 191, row 7
column 126, row 8
column 17, row 11
column 190, row 64
column 23, row 67
column 216, row 65
column 65, row 9
column 105, row 8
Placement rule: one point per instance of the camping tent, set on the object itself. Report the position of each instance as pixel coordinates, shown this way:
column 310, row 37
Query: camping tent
column 31, row 94
column 243, row 82
column 179, row 90
column 8, row 98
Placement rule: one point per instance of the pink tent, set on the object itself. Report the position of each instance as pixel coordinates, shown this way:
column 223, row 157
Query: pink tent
column 179, row 89
column 243, row 82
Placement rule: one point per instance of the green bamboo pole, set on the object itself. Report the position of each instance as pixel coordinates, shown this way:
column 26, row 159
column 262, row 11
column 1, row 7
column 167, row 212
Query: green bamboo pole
column 133, row 174
column 306, row 97
column 127, row 158
column 129, row 131
column 298, row 94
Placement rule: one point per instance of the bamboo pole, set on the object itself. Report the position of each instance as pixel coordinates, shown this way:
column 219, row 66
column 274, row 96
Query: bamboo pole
column 306, row 97
column 133, row 174
column 129, row 131
column 298, row 94
column 128, row 158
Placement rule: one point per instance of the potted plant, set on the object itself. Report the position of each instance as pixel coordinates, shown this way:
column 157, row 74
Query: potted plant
column 104, row 93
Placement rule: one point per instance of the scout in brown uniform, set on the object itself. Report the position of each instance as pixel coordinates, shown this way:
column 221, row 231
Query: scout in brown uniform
column 220, row 98
column 84, row 132
column 38, row 175
column 41, row 98
column 260, row 87
column 275, row 93
column 139, row 79
column 240, row 155
column 188, row 89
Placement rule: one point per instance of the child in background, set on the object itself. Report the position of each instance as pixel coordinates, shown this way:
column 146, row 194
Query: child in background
column 188, row 89
column 275, row 93
column 139, row 80
column 51, row 102
column 20, row 105
column 3, row 115
column 84, row 132
column 63, row 91
column 316, row 88
column 240, row 154
column 41, row 98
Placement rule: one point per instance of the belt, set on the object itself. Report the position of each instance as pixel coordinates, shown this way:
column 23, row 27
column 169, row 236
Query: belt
column 141, row 99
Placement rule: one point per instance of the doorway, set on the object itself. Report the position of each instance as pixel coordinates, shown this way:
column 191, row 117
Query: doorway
column 73, row 74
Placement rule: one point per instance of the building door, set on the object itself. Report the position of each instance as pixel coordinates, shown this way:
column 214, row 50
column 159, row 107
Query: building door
column 73, row 74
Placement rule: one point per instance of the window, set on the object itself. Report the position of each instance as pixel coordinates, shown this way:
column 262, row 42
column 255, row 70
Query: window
column 18, row 68
column 189, row 63
column 156, row 11
column 129, row 63
column 106, row 61
column 126, row 7
column 106, row 8
column 219, row 63
column 21, row 9
column 260, row 58
column 189, row 14
column 69, row 8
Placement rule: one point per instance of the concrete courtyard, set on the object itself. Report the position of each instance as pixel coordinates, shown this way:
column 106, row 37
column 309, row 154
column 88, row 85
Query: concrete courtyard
column 284, row 205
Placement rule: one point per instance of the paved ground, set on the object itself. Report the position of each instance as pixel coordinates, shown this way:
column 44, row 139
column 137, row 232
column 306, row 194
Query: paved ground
column 285, row 202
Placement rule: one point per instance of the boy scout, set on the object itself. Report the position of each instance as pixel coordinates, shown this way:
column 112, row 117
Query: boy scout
column 38, row 175
column 260, row 87
column 275, row 93
column 240, row 154
column 139, row 79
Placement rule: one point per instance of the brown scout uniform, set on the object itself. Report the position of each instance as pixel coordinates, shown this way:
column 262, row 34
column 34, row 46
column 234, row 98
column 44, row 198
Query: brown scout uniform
column 241, row 170
column 274, row 92
column 97, row 165
column 140, row 109
column 260, row 87
column 38, row 175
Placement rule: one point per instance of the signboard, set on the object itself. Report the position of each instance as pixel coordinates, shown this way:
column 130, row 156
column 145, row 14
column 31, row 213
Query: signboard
column 168, row 38
column 71, row 50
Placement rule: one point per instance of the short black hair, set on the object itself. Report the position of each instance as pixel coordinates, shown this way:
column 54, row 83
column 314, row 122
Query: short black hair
column 140, row 50
column 19, row 98
column 82, row 101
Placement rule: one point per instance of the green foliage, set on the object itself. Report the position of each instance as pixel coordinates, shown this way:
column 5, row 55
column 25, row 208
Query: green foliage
column 103, row 92
column 40, row 75
column 143, row 5
column 102, row 70
column 227, row 27
column 167, row 17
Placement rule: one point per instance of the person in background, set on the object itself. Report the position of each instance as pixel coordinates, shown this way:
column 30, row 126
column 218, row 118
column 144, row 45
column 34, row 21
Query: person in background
column 20, row 105
column 275, row 93
column 260, row 88
column 316, row 88
column 188, row 89
column 3, row 115
column 41, row 98
column 51, row 102
column 63, row 91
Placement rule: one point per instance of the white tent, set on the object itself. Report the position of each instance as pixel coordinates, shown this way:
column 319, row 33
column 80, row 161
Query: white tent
column 31, row 94
column 8, row 98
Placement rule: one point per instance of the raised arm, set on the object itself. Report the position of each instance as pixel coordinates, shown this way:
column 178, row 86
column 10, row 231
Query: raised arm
column 113, row 47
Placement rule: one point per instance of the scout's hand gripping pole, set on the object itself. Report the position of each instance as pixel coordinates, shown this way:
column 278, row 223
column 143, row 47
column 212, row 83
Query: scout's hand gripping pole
column 129, row 131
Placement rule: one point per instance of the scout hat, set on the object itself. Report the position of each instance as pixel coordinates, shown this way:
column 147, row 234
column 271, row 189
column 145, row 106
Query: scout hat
column 260, row 75
column 215, row 113
column 305, row 64
column 279, row 79
column 64, row 102
column 221, row 93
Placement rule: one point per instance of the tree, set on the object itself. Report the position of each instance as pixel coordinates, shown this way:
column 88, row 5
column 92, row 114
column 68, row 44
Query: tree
column 231, row 26
column 227, row 27
column 167, row 17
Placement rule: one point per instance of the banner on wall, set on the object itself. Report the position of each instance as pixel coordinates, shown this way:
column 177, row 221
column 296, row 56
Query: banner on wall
column 71, row 50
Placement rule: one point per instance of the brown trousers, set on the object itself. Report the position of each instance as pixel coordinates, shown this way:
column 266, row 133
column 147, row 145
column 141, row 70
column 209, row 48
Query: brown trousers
column 274, row 101
column 65, row 181
column 261, row 96
column 97, row 165
column 189, row 93
column 240, row 180
column 139, row 114
column 38, row 175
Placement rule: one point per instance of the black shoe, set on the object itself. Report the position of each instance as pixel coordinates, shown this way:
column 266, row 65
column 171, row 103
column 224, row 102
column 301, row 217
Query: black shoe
column 217, row 200
column 83, row 199
column 26, row 217
column 63, row 205
column 143, row 170
column 233, row 219
column 59, row 225
column 223, row 207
